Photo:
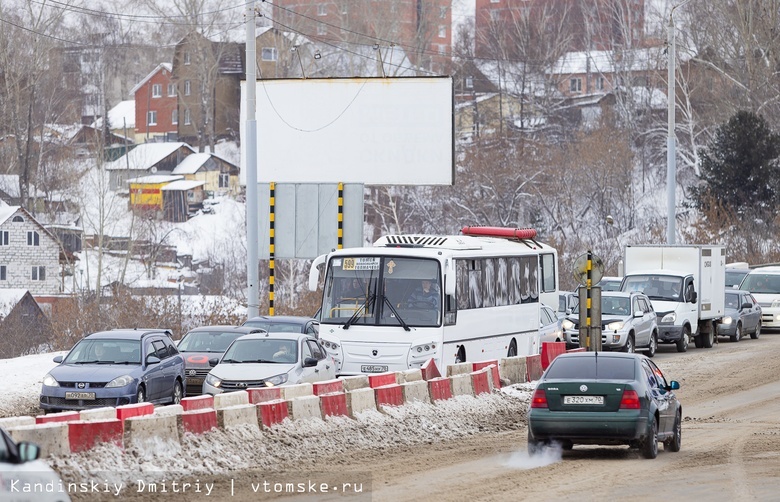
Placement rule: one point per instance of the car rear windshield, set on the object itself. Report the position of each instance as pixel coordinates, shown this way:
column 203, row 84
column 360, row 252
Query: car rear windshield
column 595, row 368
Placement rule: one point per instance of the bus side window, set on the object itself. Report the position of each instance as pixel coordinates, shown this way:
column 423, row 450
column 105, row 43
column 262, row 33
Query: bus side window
column 450, row 310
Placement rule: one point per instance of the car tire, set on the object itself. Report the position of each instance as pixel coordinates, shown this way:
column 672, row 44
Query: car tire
column 512, row 352
column 653, row 344
column 675, row 442
column 650, row 442
column 178, row 393
column 708, row 339
column 630, row 347
column 682, row 343
column 737, row 336
column 754, row 335
column 534, row 446
column 461, row 356
column 140, row 395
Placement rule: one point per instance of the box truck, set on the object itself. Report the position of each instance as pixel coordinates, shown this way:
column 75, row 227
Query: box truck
column 686, row 285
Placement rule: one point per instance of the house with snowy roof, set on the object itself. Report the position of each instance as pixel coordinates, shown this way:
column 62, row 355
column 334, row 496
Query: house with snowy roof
column 23, row 324
column 156, row 113
column 144, row 160
column 216, row 173
column 29, row 253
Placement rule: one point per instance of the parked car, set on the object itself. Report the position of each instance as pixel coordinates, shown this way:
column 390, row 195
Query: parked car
column 568, row 303
column 203, row 343
column 549, row 325
column 764, row 284
column 628, row 323
column 742, row 315
column 286, row 324
column 21, row 473
column 112, row 368
column 610, row 283
column 269, row 359
column 606, row 399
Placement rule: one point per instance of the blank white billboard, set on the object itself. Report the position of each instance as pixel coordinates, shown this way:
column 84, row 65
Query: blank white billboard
column 374, row 131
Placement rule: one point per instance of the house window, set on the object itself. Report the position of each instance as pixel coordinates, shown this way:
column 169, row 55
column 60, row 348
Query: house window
column 187, row 87
column 33, row 239
column 322, row 10
column 600, row 83
column 4, row 238
column 344, row 8
column 442, row 50
column 269, row 54
column 18, row 219
column 157, row 90
column 224, row 180
column 187, row 120
column 443, row 12
column 442, row 31
column 2, row 273
column 171, row 90
column 38, row 273
column 151, row 117
column 175, row 117
column 322, row 29
column 186, row 58
column 469, row 82
column 575, row 85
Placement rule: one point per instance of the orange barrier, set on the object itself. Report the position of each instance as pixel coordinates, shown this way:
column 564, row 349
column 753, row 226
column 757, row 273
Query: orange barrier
column 534, row 367
column 429, row 370
column 551, row 350
column 486, row 364
column 84, row 435
column 334, row 404
column 263, row 394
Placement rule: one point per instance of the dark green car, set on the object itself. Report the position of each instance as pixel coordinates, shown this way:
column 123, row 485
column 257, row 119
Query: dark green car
column 605, row 398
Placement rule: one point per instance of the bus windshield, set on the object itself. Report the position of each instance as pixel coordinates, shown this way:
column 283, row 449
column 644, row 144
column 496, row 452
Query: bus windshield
column 382, row 291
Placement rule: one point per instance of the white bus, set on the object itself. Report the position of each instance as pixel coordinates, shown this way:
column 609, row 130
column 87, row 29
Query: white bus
column 487, row 286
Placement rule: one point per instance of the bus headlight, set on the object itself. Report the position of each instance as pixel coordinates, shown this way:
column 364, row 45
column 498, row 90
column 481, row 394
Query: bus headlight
column 421, row 352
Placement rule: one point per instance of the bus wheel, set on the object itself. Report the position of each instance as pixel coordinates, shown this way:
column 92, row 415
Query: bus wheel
column 512, row 348
column 461, row 357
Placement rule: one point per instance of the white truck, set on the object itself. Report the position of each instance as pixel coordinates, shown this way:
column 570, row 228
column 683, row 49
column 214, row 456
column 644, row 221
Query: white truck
column 686, row 285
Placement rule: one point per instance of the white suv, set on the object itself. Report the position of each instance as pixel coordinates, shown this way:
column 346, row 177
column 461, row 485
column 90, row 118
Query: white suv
column 628, row 324
column 764, row 284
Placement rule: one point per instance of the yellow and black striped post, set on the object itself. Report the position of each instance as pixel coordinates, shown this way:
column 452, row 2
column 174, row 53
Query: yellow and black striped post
column 341, row 216
column 271, row 234
column 588, row 298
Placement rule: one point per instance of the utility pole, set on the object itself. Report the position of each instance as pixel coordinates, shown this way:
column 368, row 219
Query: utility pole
column 671, row 140
column 252, row 206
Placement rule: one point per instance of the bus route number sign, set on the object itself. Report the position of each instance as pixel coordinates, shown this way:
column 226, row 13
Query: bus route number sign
column 363, row 263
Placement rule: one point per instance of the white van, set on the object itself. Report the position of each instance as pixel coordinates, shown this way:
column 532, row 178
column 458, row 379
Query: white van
column 764, row 284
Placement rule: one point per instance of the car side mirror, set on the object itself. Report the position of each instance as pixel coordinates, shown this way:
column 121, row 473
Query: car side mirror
column 694, row 297
column 747, row 305
column 152, row 359
column 57, row 359
column 639, row 313
column 213, row 361
column 28, row 451
column 674, row 385
column 309, row 362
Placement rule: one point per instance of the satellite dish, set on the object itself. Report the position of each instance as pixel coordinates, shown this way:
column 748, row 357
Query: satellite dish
column 580, row 269
column 153, row 169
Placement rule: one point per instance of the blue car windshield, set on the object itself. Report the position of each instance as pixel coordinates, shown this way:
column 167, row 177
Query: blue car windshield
column 105, row 351
column 591, row 368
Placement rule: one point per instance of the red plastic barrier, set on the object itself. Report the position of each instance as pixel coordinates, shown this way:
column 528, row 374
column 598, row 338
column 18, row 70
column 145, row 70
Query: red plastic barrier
column 389, row 395
column 578, row 349
column 430, row 370
column 440, row 389
column 193, row 403
column 480, row 382
column 381, row 380
column 327, row 387
column 551, row 350
column 134, row 410
column 85, row 435
column 272, row 412
column 264, row 394
column 199, row 421
column 494, row 370
column 65, row 416
column 533, row 366
column 334, row 404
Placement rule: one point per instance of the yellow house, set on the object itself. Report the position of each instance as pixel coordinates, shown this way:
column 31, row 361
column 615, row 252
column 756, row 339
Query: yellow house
column 218, row 175
column 146, row 192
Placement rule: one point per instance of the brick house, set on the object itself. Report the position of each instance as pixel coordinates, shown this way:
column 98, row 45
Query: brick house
column 156, row 113
column 29, row 254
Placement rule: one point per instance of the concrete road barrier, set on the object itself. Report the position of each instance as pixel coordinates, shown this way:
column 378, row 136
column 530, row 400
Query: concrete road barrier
column 328, row 387
column 106, row 413
column 360, row 400
column 197, row 421
column 304, row 407
column 334, row 404
column 204, row 402
column 229, row 399
column 440, row 389
column 459, row 369
column 169, row 411
column 299, row 390
column 64, row 416
column 480, row 382
column 416, row 391
column 240, row 414
column 389, row 395
column 413, row 375
column 534, row 367
column 513, row 369
column 461, row 385
column 134, row 410
column 86, row 435
column 493, row 365
column 355, row 382
column 272, row 412
column 52, row 437
column 382, row 379
column 263, row 394
column 429, row 370
column 551, row 350
column 8, row 422
column 149, row 431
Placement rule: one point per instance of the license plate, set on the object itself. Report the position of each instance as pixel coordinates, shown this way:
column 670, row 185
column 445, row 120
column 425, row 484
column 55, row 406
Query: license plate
column 583, row 400
column 80, row 395
column 373, row 368
column 194, row 381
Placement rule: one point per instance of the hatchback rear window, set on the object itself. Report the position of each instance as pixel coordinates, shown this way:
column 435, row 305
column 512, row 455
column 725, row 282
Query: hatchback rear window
column 595, row 368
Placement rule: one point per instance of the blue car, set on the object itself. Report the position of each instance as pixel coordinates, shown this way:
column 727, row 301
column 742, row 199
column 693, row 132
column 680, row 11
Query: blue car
column 112, row 368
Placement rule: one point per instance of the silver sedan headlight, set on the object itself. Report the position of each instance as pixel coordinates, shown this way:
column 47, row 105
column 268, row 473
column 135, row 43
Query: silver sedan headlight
column 615, row 326
column 277, row 379
column 213, row 381
column 567, row 324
